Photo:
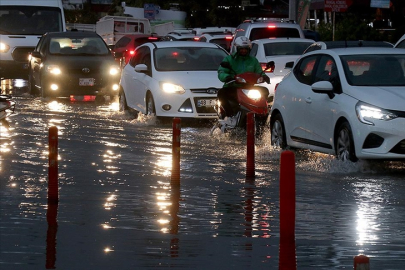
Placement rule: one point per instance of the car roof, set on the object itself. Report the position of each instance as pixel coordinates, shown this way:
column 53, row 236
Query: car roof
column 352, row 43
column 276, row 40
column 171, row 44
column 361, row 50
column 72, row 34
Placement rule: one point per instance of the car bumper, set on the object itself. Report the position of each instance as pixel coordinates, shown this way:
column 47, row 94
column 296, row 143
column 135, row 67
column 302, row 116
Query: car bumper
column 71, row 86
column 385, row 140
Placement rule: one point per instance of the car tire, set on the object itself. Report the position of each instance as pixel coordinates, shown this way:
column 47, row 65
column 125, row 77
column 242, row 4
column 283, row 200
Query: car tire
column 150, row 105
column 123, row 106
column 278, row 136
column 344, row 144
column 31, row 86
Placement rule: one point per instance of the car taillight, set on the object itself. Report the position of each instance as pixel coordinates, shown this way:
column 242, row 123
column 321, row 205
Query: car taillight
column 196, row 39
column 271, row 26
column 264, row 65
column 131, row 52
column 229, row 38
column 152, row 38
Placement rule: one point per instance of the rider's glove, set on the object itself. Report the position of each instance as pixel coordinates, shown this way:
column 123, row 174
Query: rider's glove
column 266, row 78
column 229, row 78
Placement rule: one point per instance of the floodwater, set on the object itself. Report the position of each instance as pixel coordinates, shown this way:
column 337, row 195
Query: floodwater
column 117, row 208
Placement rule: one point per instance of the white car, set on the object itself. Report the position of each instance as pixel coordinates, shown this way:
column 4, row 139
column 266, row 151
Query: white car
column 173, row 79
column 348, row 102
column 281, row 51
column 223, row 39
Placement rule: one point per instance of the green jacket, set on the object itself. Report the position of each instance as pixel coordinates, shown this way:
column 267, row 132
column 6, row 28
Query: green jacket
column 239, row 64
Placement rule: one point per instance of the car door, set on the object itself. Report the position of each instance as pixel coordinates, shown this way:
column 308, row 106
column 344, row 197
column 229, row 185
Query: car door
column 138, row 82
column 322, row 109
column 296, row 90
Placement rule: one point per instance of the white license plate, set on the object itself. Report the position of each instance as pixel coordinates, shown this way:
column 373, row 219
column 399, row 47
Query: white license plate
column 86, row 81
column 206, row 102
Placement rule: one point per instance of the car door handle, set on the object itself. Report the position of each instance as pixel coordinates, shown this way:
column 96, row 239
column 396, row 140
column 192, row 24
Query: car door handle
column 308, row 100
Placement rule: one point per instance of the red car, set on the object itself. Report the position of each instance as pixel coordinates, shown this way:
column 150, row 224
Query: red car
column 125, row 46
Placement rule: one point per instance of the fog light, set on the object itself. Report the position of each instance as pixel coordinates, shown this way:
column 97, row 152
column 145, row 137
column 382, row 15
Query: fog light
column 186, row 107
column 166, row 107
column 115, row 87
column 54, row 87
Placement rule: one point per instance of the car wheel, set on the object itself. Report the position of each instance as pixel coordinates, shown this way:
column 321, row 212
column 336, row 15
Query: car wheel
column 278, row 137
column 150, row 105
column 344, row 143
column 122, row 101
column 31, row 86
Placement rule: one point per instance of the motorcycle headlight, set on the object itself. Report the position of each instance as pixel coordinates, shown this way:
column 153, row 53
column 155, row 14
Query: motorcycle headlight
column 4, row 47
column 53, row 69
column 114, row 70
column 367, row 113
column 172, row 88
column 252, row 93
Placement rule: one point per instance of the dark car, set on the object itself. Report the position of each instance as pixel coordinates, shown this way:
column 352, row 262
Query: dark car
column 73, row 63
column 125, row 46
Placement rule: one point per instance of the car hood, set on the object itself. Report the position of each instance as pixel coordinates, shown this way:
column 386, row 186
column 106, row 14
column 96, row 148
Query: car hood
column 82, row 61
column 280, row 61
column 192, row 79
column 392, row 98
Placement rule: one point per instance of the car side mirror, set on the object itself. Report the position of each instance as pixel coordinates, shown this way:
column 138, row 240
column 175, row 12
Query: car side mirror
column 35, row 54
column 323, row 87
column 142, row 68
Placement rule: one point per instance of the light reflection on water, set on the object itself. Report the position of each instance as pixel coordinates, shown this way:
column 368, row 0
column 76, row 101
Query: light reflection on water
column 115, row 176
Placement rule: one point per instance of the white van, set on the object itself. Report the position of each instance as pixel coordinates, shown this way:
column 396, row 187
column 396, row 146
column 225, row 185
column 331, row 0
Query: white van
column 22, row 23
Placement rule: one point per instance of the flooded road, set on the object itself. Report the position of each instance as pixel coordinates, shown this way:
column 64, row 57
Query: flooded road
column 117, row 209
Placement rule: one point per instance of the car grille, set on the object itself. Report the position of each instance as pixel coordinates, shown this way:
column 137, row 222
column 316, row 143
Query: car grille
column 399, row 148
column 211, row 91
column 21, row 54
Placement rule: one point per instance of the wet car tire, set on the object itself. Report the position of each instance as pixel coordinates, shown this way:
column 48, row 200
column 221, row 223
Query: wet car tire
column 344, row 143
column 278, row 136
column 150, row 105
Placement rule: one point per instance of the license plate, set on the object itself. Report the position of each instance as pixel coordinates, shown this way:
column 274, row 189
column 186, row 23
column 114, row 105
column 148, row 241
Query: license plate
column 86, row 81
column 206, row 102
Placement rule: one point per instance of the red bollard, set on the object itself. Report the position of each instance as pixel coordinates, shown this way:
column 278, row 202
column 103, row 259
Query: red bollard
column 250, row 144
column 361, row 262
column 51, row 214
column 287, row 253
column 175, row 178
column 53, row 165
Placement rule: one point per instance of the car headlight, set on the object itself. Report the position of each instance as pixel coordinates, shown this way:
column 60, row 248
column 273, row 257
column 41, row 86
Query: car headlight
column 367, row 113
column 172, row 88
column 252, row 93
column 114, row 70
column 53, row 69
column 4, row 47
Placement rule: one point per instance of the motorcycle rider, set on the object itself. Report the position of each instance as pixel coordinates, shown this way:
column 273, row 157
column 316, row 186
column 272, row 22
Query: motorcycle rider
column 240, row 62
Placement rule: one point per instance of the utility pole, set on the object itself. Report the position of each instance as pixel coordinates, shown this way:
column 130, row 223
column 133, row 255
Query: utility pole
column 292, row 11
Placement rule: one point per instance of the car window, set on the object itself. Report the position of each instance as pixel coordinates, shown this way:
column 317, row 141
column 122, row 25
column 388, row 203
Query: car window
column 401, row 44
column 253, row 52
column 122, row 42
column 188, row 58
column 327, row 71
column 285, row 48
column 304, row 69
column 78, row 45
column 139, row 56
column 203, row 39
column 374, row 69
column 266, row 32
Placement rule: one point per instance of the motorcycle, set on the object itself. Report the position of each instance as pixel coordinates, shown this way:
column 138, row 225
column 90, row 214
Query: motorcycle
column 7, row 107
column 250, row 98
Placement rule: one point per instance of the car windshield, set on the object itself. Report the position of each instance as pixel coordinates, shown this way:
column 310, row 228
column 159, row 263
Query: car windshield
column 285, row 48
column 78, row 46
column 267, row 32
column 374, row 69
column 188, row 58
